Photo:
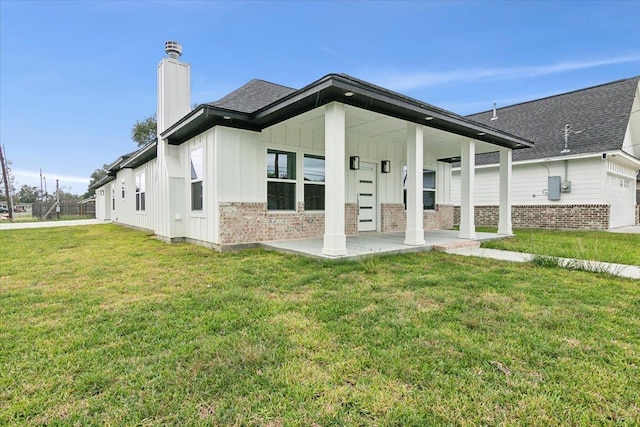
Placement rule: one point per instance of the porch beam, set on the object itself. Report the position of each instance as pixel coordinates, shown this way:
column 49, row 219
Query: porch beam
column 467, row 203
column 335, row 240
column 504, row 222
column 414, row 233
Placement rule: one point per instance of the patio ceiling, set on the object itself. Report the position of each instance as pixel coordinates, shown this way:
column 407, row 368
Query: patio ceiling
column 376, row 127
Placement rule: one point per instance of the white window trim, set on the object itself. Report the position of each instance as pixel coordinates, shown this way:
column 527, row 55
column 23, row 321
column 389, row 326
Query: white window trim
column 433, row 190
column 139, row 193
column 305, row 183
column 196, row 212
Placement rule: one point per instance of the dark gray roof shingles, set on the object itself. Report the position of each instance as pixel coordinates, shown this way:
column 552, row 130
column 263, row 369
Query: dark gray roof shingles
column 253, row 96
column 600, row 112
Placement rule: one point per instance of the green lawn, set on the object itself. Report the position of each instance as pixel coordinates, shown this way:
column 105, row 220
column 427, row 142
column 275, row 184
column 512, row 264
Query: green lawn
column 588, row 245
column 102, row 325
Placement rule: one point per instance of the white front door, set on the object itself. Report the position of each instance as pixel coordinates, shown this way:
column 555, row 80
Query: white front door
column 366, row 196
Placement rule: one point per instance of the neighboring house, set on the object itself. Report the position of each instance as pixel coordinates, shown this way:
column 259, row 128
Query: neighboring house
column 586, row 181
column 267, row 162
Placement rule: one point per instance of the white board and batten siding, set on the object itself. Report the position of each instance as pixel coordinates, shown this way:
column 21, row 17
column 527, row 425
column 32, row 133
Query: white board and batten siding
column 200, row 225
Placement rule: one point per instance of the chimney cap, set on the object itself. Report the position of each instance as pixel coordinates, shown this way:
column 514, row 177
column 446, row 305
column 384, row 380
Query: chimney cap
column 173, row 49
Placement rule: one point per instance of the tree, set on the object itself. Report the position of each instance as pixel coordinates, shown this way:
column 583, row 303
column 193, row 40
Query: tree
column 96, row 176
column 145, row 131
column 28, row 194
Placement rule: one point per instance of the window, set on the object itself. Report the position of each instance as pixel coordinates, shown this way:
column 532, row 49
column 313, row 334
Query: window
column 428, row 188
column 140, row 191
column 123, row 187
column 113, row 198
column 314, row 179
column 196, row 179
column 281, row 180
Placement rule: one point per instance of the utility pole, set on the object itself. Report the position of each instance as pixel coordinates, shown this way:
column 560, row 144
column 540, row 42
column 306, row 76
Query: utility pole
column 57, row 199
column 5, row 177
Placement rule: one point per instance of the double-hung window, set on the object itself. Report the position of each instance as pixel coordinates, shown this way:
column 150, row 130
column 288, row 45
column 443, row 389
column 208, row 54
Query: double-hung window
column 428, row 188
column 140, row 191
column 197, row 167
column 281, row 180
column 314, row 180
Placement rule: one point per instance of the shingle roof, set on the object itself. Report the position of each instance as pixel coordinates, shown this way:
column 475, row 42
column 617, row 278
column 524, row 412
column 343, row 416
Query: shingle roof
column 253, row 96
column 602, row 112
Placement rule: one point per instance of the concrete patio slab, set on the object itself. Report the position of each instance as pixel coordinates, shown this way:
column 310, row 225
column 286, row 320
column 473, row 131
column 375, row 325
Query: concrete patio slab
column 373, row 243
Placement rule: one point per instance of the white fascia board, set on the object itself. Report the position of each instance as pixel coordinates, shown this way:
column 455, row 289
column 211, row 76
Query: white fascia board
column 628, row 159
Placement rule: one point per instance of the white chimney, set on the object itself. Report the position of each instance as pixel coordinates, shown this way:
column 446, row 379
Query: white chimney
column 174, row 87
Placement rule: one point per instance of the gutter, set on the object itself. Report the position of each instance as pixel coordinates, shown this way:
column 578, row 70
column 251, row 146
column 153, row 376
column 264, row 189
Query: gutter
column 628, row 159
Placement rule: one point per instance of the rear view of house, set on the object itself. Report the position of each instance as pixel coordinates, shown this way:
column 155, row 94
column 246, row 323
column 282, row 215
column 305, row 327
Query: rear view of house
column 267, row 162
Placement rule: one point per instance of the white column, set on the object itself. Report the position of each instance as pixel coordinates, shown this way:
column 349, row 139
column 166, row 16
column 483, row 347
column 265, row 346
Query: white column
column 467, row 183
column 504, row 223
column 335, row 241
column 414, row 234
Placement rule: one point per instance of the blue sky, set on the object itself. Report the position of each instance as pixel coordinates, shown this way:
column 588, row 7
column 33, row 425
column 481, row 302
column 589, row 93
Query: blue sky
column 75, row 76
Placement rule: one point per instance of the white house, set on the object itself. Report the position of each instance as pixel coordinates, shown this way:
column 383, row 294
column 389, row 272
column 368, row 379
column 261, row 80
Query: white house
column 581, row 172
column 338, row 157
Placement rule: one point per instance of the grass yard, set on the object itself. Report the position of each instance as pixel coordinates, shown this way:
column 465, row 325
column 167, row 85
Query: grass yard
column 102, row 325
column 589, row 245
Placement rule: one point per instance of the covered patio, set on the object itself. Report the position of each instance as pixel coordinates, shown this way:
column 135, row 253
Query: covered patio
column 376, row 243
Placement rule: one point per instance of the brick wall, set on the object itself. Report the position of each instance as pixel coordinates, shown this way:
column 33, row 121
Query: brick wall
column 394, row 218
column 440, row 219
column 351, row 219
column 252, row 222
column 584, row 217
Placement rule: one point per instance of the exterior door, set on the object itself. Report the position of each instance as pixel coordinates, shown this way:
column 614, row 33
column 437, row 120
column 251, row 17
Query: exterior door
column 366, row 196
column 621, row 196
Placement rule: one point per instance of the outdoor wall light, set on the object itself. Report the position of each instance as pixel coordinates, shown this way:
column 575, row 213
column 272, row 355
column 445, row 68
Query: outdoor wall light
column 429, row 118
column 354, row 163
column 348, row 94
column 102, row 192
column 385, row 166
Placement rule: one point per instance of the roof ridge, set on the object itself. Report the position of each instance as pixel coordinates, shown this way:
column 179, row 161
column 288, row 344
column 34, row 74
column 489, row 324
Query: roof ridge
column 557, row 95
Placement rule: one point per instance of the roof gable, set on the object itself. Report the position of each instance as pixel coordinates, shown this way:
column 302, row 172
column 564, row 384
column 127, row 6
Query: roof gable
column 600, row 112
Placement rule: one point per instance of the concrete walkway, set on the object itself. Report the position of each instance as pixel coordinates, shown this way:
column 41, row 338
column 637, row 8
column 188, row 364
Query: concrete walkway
column 45, row 224
column 621, row 270
column 629, row 229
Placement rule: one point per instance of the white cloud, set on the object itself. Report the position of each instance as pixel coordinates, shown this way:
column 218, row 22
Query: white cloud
column 74, row 184
column 410, row 81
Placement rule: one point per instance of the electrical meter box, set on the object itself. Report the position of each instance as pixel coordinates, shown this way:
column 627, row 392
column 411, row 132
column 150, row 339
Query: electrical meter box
column 553, row 189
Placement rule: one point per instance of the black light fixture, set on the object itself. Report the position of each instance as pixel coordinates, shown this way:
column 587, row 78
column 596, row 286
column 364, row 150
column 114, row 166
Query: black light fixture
column 354, row 163
column 385, row 166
